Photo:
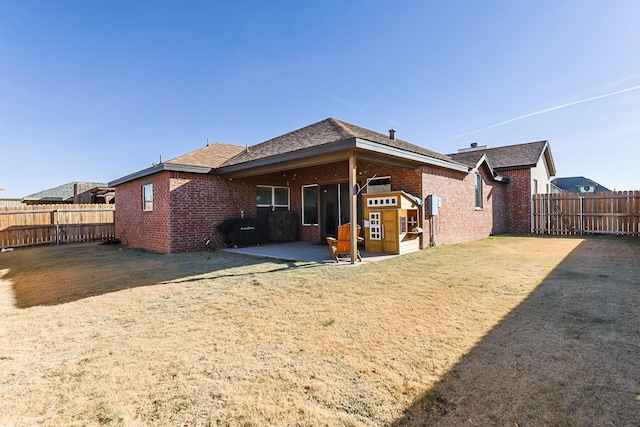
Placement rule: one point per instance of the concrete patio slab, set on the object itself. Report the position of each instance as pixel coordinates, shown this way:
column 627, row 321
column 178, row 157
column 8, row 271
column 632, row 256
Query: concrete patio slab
column 303, row 251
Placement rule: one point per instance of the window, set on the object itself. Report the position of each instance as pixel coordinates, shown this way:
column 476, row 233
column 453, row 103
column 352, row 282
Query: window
column 535, row 186
column 147, row 197
column 478, row 191
column 270, row 198
column 379, row 185
column 310, row 205
column 375, row 228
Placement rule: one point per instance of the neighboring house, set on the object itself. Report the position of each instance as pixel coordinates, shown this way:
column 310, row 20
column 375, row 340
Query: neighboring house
column 319, row 172
column 528, row 166
column 73, row 192
column 9, row 201
column 578, row 184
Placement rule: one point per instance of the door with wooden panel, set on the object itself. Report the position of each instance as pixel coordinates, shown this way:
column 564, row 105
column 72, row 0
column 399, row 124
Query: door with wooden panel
column 390, row 244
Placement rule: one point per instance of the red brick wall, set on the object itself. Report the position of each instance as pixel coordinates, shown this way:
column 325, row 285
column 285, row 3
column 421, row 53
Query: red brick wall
column 189, row 207
column 144, row 229
column 199, row 203
column 519, row 201
column 408, row 180
column 458, row 219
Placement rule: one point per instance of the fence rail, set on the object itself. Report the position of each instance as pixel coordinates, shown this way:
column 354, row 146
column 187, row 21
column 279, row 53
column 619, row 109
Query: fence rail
column 55, row 224
column 615, row 213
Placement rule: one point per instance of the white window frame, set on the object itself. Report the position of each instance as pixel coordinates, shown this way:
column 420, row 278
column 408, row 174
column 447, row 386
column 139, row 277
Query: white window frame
column 273, row 205
column 147, row 197
column 382, row 201
column 478, row 192
column 304, row 220
column 375, row 227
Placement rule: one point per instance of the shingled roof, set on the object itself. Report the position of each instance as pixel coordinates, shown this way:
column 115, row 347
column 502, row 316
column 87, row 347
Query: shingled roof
column 326, row 141
column 61, row 193
column 321, row 133
column 519, row 156
column 573, row 184
column 213, row 155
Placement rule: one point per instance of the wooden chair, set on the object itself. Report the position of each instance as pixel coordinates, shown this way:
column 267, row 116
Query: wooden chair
column 342, row 245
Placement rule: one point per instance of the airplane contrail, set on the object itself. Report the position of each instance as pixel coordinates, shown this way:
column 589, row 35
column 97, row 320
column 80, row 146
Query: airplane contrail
column 557, row 107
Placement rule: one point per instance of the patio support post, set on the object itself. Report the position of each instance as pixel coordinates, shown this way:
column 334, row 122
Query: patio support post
column 353, row 207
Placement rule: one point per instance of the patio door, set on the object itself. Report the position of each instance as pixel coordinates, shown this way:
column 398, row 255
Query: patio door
column 334, row 208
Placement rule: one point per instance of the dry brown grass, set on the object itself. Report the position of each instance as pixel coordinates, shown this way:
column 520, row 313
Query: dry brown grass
column 533, row 331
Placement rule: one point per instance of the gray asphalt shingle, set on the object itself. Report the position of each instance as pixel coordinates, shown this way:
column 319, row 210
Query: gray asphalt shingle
column 509, row 157
column 324, row 132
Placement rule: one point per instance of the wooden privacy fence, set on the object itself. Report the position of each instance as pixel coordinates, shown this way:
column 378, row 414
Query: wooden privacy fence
column 55, row 224
column 613, row 212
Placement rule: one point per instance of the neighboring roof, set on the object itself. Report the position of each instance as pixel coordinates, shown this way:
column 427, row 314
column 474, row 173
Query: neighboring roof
column 10, row 201
column 213, row 155
column 519, row 156
column 61, row 193
column 574, row 183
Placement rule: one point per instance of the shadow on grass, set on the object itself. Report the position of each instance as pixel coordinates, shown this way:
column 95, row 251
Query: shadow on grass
column 51, row 275
column 568, row 355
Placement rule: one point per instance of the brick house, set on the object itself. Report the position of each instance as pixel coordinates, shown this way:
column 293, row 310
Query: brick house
column 319, row 172
column 528, row 166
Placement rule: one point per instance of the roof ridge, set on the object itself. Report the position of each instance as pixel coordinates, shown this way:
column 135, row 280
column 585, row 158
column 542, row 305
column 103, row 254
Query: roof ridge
column 546, row 141
column 341, row 127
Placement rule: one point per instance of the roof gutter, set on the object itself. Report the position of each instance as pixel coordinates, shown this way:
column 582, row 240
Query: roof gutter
column 408, row 155
column 332, row 147
column 159, row 168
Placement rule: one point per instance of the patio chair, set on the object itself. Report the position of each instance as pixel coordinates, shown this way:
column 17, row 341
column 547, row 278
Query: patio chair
column 342, row 245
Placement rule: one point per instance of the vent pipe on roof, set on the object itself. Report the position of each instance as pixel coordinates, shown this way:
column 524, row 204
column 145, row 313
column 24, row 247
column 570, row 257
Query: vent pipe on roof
column 474, row 147
column 392, row 134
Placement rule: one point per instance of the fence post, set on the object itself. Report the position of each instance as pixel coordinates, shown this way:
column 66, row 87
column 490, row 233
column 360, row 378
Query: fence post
column 57, row 211
column 532, row 216
column 581, row 215
column 543, row 215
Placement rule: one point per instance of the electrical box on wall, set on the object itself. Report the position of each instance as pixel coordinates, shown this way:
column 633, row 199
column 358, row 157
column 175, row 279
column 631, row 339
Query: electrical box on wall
column 433, row 204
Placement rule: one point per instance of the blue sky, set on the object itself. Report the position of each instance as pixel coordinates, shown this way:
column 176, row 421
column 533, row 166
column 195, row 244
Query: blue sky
column 92, row 91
